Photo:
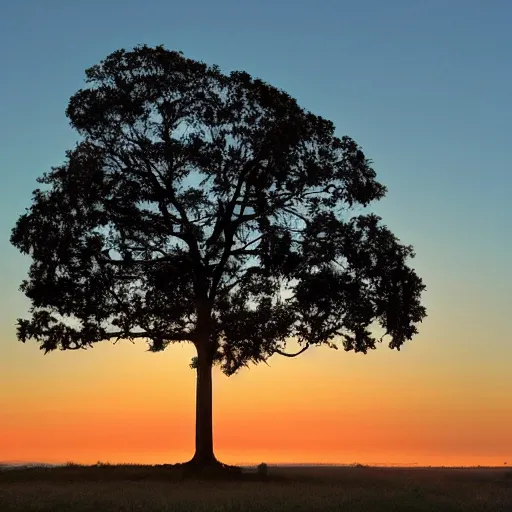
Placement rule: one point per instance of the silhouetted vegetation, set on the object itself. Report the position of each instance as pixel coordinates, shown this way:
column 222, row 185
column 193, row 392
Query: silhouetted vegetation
column 262, row 470
column 212, row 209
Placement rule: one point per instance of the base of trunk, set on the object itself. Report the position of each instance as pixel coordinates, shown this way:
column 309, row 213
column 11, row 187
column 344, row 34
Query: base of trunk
column 210, row 467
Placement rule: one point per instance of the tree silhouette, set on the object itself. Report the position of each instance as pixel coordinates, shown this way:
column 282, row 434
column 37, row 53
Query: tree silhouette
column 209, row 208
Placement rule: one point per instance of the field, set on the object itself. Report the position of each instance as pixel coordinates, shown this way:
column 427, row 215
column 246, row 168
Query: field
column 148, row 489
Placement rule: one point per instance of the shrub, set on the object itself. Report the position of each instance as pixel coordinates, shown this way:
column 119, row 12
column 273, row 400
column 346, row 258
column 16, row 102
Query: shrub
column 262, row 469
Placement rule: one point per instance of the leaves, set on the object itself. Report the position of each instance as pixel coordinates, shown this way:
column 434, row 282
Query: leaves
column 210, row 208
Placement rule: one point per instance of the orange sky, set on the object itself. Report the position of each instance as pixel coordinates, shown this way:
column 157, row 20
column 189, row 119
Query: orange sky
column 423, row 405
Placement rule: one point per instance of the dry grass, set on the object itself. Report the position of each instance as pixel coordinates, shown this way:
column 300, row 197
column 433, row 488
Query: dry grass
column 149, row 489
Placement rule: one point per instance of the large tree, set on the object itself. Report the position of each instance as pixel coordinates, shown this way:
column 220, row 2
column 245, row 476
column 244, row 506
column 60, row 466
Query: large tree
column 209, row 208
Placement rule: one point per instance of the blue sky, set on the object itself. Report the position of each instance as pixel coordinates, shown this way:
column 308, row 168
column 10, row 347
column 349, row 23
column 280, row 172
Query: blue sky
column 423, row 86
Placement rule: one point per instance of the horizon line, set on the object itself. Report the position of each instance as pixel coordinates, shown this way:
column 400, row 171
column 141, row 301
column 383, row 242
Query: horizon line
column 404, row 465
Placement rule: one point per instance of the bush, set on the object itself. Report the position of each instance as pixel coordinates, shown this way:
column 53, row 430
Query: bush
column 262, row 469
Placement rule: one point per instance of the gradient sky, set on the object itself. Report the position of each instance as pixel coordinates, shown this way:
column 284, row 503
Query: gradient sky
column 425, row 88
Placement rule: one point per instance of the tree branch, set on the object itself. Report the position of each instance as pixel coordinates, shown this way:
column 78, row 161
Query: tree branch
column 247, row 272
column 77, row 344
column 110, row 261
column 303, row 349
column 229, row 229
column 244, row 252
column 297, row 214
column 171, row 337
column 164, row 192
column 240, row 219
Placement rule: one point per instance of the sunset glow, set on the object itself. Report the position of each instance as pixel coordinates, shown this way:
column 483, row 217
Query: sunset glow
column 432, row 113
column 123, row 404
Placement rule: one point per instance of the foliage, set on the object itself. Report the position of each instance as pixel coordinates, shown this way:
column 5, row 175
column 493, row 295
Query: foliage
column 211, row 208
column 262, row 469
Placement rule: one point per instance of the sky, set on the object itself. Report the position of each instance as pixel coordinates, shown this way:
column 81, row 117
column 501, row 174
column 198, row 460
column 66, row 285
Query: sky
column 425, row 88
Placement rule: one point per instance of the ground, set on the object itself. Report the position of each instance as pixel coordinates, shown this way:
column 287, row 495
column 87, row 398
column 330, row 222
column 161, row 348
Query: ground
column 149, row 489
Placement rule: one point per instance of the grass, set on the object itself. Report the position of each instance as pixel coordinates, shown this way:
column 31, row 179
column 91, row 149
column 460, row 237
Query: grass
column 126, row 488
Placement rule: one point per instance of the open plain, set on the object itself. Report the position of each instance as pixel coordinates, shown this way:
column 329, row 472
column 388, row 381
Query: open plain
column 308, row 489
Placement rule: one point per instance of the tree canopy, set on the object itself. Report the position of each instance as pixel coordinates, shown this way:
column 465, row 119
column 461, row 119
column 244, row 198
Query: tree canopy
column 209, row 207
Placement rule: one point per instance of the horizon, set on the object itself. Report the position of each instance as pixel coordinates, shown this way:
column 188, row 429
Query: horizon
column 410, row 465
column 424, row 89
column 434, row 462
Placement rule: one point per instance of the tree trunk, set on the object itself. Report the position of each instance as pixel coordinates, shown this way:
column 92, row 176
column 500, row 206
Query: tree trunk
column 204, row 455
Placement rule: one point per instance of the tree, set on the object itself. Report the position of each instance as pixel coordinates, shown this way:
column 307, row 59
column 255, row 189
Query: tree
column 209, row 208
